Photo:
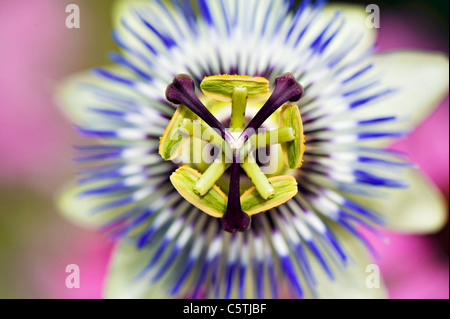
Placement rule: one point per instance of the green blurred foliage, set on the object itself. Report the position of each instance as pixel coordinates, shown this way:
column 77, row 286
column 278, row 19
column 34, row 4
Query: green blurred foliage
column 94, row 35
column 24, row 217
column 33, row 235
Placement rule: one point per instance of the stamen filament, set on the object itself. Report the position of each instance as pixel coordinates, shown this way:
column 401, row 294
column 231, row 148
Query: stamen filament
column 277, row 136
column 238, row 108
column 210, row 176
column 262, row 184
column 207, row 134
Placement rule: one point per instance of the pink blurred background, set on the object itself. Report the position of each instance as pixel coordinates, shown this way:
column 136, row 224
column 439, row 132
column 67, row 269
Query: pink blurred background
column 36, row 142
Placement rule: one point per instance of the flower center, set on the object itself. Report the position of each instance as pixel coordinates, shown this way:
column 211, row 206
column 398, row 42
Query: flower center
column 194, row 127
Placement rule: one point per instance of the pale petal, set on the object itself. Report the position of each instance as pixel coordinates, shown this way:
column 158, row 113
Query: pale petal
column 74, row 97
column 123, row 11
column 420, row 81
column 122, row 7
column 354, row 29
column 357, row 280
column 419, row 209
column 79, row 209
column 123, row 281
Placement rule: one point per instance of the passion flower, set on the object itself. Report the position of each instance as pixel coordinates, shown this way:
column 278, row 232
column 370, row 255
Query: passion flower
column 238, row 89
column 295, row 171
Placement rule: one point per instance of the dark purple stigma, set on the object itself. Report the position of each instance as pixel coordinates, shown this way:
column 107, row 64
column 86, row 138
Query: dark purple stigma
column 235, row 220
column 287, row 89
column 182, row 91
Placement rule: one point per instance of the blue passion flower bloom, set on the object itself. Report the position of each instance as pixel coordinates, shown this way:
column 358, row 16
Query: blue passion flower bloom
column 305, row 73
